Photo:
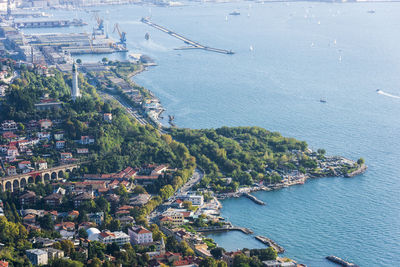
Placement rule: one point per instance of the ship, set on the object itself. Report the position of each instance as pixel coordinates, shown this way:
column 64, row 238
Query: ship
column 235, row 13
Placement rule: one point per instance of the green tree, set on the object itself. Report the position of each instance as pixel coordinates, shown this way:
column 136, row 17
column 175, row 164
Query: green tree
column 360, row 161
column 217, row 252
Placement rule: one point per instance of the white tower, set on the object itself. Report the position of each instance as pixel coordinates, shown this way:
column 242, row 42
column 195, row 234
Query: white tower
column 75, row 88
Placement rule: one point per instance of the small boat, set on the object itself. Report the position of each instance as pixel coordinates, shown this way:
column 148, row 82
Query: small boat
column 226, row 18
column 322, row 100
column 235, row 13
column 371, row 11
column 251, row 48
column 147, row 36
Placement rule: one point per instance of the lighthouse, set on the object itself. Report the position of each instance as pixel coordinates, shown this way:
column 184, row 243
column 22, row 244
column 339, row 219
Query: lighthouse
column 75, row 88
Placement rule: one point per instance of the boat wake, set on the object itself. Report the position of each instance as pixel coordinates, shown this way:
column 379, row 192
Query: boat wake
column 387, row 94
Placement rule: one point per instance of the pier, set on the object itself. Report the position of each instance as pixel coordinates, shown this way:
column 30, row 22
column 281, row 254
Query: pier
column 192, row 44
column 341, row 261
column 256, row 200
column 271, row 243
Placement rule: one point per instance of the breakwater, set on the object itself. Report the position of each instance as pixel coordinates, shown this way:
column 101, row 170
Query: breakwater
column 271, row 243
column 341, row 261
column 192, row 44
column 255, row 200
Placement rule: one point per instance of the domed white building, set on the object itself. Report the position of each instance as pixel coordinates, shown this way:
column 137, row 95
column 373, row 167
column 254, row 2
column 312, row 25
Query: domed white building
column 93, row 234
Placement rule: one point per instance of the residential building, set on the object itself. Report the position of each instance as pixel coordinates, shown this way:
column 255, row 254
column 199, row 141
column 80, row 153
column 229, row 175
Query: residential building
column 79, row 199
column 53, row 200
column 12, row 153
column 86, row 140
column 28, row 198
column 37, row 256
column 139, row 200
column 58, row 136
column 11, row 170
column 44, row 135
column 195, row 199
column 120, row 238
column 9, row 125
column 53, row 253
column 41, row 165
column 45, row 124
column 24, row 164
column 140, row 235
column 97, row 217
column 3, row 263
column 107, row 117
column 82, row 151
column 177, row 218
column 73, row 214
column 60, row 144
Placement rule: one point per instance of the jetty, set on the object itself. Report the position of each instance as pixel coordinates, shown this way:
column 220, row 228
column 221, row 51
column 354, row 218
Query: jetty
column 270, row 243
column 192, row 44
column 256, row 200
column 341, row 261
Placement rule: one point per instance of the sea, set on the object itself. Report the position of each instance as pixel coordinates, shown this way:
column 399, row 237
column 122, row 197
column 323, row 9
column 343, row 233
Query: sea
column 288, row 57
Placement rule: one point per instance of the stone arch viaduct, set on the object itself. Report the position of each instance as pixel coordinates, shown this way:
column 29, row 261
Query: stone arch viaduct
column 20, row 181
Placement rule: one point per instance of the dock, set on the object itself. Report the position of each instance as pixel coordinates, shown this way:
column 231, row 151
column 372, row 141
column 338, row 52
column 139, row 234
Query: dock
column 270, row 243
column 341, row 261
column 48, row 23
column 192, row 44
column 256, row 200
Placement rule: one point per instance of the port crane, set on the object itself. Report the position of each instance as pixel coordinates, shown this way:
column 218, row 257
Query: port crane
column 122, row 35
column 100, row 23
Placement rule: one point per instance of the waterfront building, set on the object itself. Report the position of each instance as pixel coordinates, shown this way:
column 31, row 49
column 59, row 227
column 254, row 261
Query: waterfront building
column 75, row 87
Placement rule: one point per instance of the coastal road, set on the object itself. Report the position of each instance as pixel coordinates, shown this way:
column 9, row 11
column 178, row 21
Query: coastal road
column 126, row 106
column 131, row 111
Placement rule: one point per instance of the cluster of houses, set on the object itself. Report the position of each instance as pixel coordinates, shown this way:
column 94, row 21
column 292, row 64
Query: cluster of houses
column 16, row 149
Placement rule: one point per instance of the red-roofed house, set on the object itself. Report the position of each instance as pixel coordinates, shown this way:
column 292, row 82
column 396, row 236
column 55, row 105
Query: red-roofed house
column 140, row 235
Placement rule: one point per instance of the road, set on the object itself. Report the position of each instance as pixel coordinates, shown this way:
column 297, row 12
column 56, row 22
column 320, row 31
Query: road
column 133, row 112
column 195, row 179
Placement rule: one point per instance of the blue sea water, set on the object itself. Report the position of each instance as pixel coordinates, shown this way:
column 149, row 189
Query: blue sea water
column 302, row 52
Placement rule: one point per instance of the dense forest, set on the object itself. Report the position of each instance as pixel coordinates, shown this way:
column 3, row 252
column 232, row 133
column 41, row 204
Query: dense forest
column 242, row 153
